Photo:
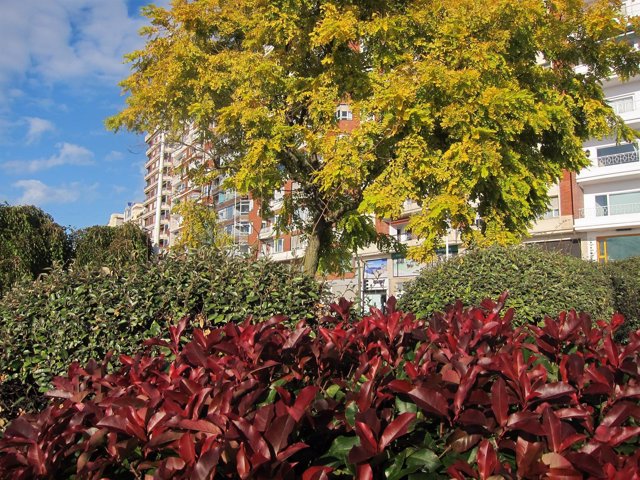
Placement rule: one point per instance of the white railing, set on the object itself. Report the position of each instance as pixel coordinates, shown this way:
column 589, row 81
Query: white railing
column 618, row 159
column 622, row 209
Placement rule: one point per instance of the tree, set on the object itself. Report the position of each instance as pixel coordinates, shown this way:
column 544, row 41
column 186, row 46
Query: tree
column 30, row 243
column 470, row 108
column 200, row 227
column 111, row 246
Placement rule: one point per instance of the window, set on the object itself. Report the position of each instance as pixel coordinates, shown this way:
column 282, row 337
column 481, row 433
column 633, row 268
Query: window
column 226, row 213
column 278, row 245
column 243, row 228
column 343, row 112
column 553, row 210
column 618, row 248
column 244, row 207
column 617, row 204
column 622, row 104
column 403, row 267
column 402, row 235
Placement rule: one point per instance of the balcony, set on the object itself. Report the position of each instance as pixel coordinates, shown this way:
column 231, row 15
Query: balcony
column 618, row 165
column 613, row 216
column 618, row 159
column 266, row 232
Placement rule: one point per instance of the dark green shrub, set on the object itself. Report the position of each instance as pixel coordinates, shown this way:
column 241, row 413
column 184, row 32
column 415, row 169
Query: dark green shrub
column 30, row 243
column 111, row 246
column 625, row 280
column 84, row 313
column 539, row 283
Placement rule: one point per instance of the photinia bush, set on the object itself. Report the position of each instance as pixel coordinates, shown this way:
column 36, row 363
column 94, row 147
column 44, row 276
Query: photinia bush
column 461, row 395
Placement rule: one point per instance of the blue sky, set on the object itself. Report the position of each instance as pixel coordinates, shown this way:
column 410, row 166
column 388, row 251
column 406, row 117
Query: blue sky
column 60, row 63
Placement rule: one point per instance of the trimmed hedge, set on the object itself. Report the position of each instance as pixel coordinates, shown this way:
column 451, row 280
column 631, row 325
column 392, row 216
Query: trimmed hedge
column 461, row 395
column 539, row 282
column 83, row 313
column 625, row 280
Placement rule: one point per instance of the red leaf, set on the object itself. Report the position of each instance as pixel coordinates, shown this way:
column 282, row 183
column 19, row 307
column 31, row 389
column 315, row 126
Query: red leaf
column 242, row 463
column 461, row 441
column 614, row 436
column 291, row 450
column 316, row 473
column 35, row 455
column 525, row 421
column 395, row 429
column 527, row 454
column 303, row 400
column 21, row 428
column 187, row 449
column 552, row 391
column 256, row 442
column 611, row 350
column 206, row 465
column 278, row 432
column 426, row 398
column 367, row 440
column 487, row 459
column 466, row 383
column 500, row 401
column 364, row 472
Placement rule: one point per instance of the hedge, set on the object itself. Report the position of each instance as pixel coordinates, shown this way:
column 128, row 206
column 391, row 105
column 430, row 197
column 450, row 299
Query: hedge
column 539, row 282
column 462, row 395
column 83, row 313
column 625, row 280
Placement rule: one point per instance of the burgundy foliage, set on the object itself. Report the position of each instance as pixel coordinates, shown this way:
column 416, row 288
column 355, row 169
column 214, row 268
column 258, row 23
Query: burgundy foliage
column 462, row 395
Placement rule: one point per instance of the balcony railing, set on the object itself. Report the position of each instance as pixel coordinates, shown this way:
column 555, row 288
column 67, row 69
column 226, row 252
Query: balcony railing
column 622, row 209
column 618, row 159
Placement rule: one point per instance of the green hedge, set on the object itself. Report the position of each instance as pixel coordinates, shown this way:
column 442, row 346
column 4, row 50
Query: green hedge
column 83, row 313
column 625, row 279
column 30, row 243
column 539, row 282
column 111, row 246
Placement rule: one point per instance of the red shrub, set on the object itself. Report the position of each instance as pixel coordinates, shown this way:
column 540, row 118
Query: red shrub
column 463, row 395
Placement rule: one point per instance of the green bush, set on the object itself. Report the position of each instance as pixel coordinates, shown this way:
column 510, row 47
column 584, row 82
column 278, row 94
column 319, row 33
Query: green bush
column 83, row 313
column 111, row 246
column 30, row 243
column 625, row 280
column 539, row 283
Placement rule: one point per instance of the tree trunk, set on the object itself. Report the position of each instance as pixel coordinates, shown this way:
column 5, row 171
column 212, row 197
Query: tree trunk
column 312, row 254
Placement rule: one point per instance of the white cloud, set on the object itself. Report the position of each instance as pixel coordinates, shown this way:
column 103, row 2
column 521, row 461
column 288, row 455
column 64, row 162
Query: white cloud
column 68, row 154
column 36, row 128
column 64, row 40
column 38, row 193
column 114, row 156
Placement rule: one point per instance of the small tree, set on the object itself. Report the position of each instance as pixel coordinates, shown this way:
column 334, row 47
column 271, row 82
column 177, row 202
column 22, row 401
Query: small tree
column 471, row 108
column 30, row 242
column 111, row 246
column 199, row 227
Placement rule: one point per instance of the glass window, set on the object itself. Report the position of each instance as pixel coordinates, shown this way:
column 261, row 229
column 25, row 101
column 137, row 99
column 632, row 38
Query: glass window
column 554, row 208
column 623, row 203
column 622, row 105
column 403, row 267
column 278, row 245
column 243, row 228
column 618, row 248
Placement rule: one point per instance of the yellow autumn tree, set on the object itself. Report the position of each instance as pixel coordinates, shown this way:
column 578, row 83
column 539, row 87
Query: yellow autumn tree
column 199, row 227
column 470, row 108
